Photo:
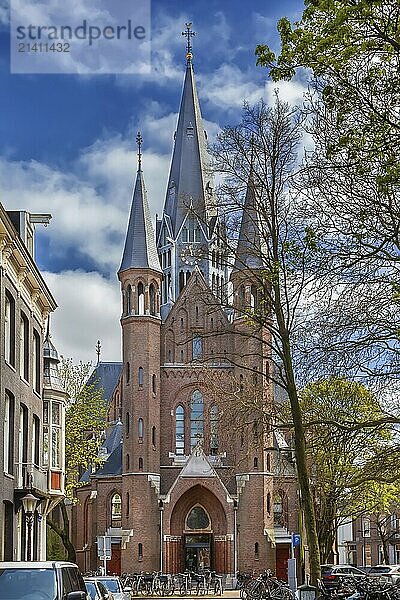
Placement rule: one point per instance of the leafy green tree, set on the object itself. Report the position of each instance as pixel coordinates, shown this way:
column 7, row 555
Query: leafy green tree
column 85, row 422
column 346, row 432
column 351, row 179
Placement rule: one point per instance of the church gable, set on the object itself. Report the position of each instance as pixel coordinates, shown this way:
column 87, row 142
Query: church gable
column 196, row 329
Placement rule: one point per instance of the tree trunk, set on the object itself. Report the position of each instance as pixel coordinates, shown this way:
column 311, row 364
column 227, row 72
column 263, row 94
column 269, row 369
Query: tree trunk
column 63, row 533
column 306, row 500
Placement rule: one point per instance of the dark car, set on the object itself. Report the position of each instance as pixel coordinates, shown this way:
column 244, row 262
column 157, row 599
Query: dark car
column 333, row 575
column 49, row 580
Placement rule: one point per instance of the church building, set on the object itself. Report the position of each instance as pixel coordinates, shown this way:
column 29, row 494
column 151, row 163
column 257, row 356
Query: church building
column 180, row 487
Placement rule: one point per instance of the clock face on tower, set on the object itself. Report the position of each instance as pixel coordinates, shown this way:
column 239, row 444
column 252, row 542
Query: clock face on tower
column 191, row 254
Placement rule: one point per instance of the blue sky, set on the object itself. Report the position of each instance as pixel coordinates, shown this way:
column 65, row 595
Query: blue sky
column 67, row 147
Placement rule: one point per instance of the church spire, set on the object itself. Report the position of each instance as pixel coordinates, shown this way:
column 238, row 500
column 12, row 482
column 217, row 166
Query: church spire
column 140, row 248
column 190, row 182
column 249, row 248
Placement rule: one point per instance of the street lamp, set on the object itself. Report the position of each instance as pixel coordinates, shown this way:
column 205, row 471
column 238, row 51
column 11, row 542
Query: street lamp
column 29, row 502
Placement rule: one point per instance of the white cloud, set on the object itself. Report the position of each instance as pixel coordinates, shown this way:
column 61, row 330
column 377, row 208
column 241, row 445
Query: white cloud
column 89, row 310
column 289, row 91
column 228, row 86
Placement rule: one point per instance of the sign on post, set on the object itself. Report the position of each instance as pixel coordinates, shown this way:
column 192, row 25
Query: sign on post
column 104, row 547
column 296, row 539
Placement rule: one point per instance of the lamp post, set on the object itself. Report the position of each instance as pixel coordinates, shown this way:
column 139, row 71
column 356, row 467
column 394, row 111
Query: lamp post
column 29, row 502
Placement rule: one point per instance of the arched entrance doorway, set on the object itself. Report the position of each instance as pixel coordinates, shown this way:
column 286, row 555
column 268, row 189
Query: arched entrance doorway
column 198, row 537
column 198, row 542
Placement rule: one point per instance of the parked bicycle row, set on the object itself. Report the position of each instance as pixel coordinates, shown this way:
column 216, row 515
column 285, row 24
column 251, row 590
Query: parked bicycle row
column 187, row 583
column 360, row 588
column 264, row 587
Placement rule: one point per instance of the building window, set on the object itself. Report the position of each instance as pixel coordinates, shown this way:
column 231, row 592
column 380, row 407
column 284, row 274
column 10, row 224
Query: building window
column 214, row 430
column 45, row 450
column 141, row 376
column 140, row 429
column 127, row 504
column 153, row 384
column 128, row 462
column 278, row 509
column 140, row 463
column 35, row 440
column 9, row 329
column 23, row 444
column 268, row 462
column 366, row 528
column 185, row 237
column 253, row 297
column 128, row 372
column 128, row 423
column 140, row 551
column 56, row 435
column 196, row 418
column 116, row 507
column 140, row 305
column 255, row 462
column 180, row 430
column 197, row 519
column 128, row 299
column 256, row 551
column 152, row 296
column 268, row 503
column 153, row 436
column 197, row 347
column 24, row 347
column 36, row 362
column 8, row 433
column 397, row 554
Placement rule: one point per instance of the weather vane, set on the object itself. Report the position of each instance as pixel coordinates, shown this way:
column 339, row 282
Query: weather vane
column 139, row 141
column 189, row 34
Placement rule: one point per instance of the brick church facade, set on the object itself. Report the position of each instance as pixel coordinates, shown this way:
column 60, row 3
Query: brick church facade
column 176, row 491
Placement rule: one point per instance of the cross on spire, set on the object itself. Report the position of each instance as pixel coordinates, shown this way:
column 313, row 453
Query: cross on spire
column 189, row 34
column 139, row 141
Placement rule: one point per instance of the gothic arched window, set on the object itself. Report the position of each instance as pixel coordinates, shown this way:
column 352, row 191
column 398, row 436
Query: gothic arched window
column 116, row 507
column 197, row 518
column 180, row 430
column 140, row 376
column 196, row 418
column 214, row 430
column 140, row 428
column 140, row 299
column 128, row 299
column 152, row 294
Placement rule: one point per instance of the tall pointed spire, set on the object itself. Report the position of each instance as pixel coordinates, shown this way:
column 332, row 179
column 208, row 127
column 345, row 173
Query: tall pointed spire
column 248, row 253
column 140, row 248
column 190, row 181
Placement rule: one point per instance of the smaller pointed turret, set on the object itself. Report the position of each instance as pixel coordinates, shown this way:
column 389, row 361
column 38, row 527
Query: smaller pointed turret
column 140, row 248
column 249, row 248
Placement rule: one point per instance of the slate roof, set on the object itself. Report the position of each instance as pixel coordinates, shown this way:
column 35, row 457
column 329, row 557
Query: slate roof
column 113, row 465
column 249, row 248
column 140, row 248
column 105, row 376
column 190, row 178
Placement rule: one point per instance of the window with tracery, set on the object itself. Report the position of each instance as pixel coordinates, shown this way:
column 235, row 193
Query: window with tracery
column 196, row 418
column 197, row 518
column 116, row 507
column 180, row 430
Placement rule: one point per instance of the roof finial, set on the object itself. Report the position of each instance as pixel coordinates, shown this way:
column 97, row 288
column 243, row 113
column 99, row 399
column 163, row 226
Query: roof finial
column 139, row 141
column 189, row 34
column 98, row 350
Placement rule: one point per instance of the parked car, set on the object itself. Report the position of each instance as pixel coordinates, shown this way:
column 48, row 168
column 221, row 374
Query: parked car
column 97, row 590
column 41, row 581
column 389, row 572
column 332, row 575
column 113, row 584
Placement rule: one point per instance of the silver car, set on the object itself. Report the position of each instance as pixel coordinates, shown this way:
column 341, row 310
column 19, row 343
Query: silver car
column 113, row 585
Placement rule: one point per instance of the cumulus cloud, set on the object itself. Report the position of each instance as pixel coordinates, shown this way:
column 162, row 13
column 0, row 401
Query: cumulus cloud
column 89, row 311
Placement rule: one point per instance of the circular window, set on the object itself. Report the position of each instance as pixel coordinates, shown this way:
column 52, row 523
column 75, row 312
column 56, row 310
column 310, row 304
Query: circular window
column 197, row 519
